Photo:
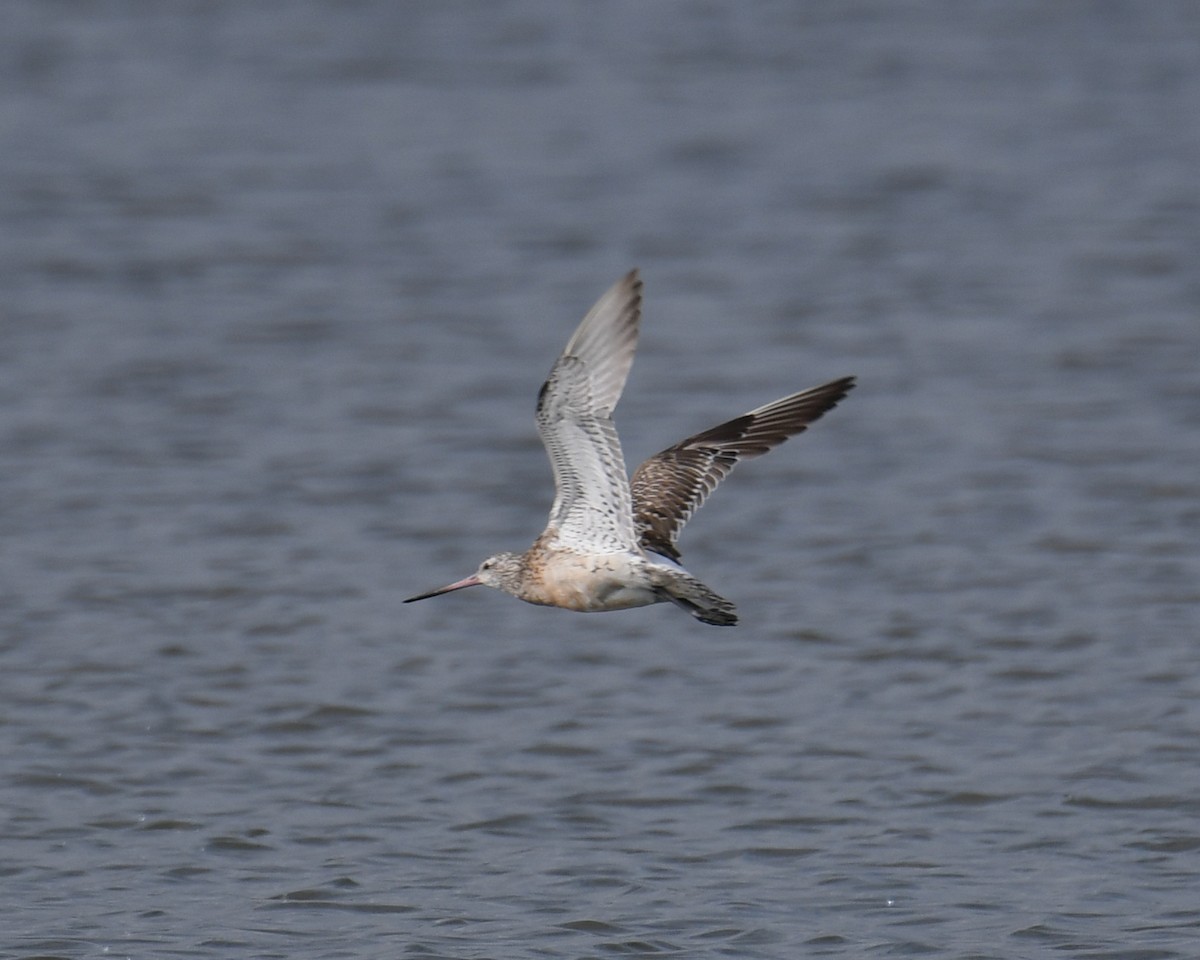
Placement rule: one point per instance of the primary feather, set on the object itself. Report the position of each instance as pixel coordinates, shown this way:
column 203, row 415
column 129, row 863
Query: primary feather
column 669, row 487
column 592, row 505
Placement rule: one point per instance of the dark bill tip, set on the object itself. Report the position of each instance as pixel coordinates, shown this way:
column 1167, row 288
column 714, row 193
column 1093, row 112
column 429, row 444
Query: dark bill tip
column 471, row 581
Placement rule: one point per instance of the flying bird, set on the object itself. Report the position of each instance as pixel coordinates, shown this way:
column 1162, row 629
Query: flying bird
column 612, row 543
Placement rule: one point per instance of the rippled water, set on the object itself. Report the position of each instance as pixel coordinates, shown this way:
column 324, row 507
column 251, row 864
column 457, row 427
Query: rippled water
column 280, row 284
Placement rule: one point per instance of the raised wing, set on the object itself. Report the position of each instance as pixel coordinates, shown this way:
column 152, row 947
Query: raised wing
column 592, row 507
column 670, row 486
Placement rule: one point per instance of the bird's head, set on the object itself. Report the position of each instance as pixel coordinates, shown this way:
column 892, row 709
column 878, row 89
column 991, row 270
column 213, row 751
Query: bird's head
column 501, row 571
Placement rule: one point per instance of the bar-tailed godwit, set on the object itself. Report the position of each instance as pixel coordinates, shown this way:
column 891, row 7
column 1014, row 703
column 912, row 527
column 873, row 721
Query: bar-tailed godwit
column 611, row 543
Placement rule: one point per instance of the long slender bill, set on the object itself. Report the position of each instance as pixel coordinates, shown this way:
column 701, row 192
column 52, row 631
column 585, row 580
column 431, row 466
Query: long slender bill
column 471, row 581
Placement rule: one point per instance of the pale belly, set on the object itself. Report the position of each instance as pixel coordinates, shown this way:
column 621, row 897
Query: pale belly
column 591, row 584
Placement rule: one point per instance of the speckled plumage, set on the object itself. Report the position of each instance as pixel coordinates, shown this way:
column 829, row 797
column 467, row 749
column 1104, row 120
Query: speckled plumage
column 610, row 544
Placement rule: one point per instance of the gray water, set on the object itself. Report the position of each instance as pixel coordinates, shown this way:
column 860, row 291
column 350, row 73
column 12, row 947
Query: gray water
column 280, row 282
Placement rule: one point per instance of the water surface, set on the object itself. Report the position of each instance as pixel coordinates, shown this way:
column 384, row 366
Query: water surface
column 281, row 283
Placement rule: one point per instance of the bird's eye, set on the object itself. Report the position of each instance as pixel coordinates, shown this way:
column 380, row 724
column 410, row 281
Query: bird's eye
column 487, row 564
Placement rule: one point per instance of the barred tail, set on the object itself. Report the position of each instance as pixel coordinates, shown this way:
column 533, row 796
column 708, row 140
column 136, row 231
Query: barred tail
column 685, row 591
